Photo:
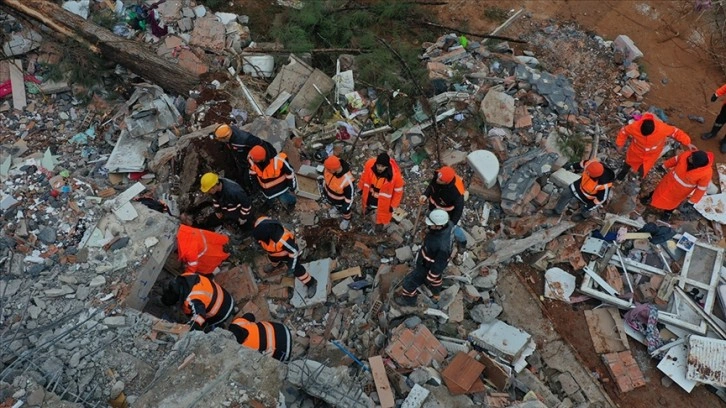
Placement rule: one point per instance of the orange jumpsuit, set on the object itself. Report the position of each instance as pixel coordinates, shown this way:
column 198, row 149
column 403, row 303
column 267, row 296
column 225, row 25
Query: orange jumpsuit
column 645, row 150
column 200, row 249
column 679, row 183
column 389, row 193
column 721, row 92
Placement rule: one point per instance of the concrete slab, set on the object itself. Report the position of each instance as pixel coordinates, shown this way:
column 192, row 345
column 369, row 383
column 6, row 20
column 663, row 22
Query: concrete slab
column 563, row 178
column 416, row 397
column 498, row 108
column 505, row 341
column 320, row 270
column 486, row 165
column 674, row 365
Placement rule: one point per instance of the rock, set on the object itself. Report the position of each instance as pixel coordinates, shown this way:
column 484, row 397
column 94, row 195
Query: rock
column 404, row 254
column 341, row 288
column 488, row 281
column 188, row 60
column 485, row 313
column 34, row 311
column 200, row 11
column 75, row 359
column 452, row 157
column 115, row 321
column 185, row 24
column 117, row 389
column 498, row 108
column 412, row 322
column 696, row 118
column 420, row 375
column 226, row 18
column 121, row 243
column 208, row 33
column 98, row 280
column 624, row 44
column 64, row 290
column 79, row 8
column 47, row 235
column 36, row 398
column 486, row 165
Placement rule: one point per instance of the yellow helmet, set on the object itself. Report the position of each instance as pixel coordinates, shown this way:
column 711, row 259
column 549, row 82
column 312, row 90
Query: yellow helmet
column 222, row 132
column 208, row 181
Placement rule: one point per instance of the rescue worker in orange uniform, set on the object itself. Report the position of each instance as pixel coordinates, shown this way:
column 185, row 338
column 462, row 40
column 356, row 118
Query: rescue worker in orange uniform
column 203, row 300
column 339, row 188
column 592, row 189
column 202, row 251
column 231, row 203
column 270, row 338
column 649, row 136
column 446, row 191
column 275, row 176
column 279, row 243
column 240, row 143
column 382, row 187
column 720, row 119
column 689, row 175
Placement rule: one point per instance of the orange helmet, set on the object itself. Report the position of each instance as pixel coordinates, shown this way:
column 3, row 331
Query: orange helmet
column 332, row 163
column 446, row 174
column 222, row 132
column 258, row 154
column 595, row 169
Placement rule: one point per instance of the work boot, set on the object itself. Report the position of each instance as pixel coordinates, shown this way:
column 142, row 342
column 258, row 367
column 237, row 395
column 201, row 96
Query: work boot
column 436, row 293
column 344, row 225
column 713, row 132
column 723, row 145
column 311, row 287
column 405, row 301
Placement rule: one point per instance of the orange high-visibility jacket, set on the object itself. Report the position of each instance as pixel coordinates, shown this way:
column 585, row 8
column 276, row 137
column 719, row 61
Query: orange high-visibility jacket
column 200, row 249
column 645, row 150
column 721, row 92
column 270, row 337
column 389, row 193
column 276, row 178
column 207, row 302
column 679, row 183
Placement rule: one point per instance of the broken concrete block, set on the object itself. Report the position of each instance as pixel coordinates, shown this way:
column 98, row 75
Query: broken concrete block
column 404, row 254
column 559, row 285
column 486, row 165
column 452, row 157
column 320, row 270
column 485, row 313
column 307, row 188
column 341, row 288
column 448, row 295
column 316, row 379
column 498, row 108
column 487, row 279
column 416, row 397
column 79, row 8
column 563, row 178
column 115, row 321
column 501, row 339
column 624, row 44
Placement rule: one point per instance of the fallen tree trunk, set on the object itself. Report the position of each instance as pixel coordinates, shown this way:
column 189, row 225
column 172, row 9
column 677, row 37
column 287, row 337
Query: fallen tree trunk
column 131, row 54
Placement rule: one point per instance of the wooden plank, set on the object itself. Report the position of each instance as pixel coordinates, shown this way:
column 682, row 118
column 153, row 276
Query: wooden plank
column 355, row 271
column 18, row 84
column 637, row 235
column 383, row 386
column 277, row 103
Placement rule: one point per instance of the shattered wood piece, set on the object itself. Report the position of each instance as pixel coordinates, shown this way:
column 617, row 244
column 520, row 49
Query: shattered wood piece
column 107, row 192
column 495, row 372
column 515, row 247
column 277, row 103
column 355, row 271
column 17, row 83
column 665, row 291
column 383, row 386
column 164, row 155
column 637, row 235
column 504, row 25
column 163, row 326
column 186, row 361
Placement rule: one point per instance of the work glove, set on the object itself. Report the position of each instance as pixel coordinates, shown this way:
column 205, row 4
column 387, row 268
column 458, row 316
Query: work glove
column 714, row 97
column 422, row 200
column 569, row 166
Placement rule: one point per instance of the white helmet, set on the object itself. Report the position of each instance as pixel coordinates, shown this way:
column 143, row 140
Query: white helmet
column 437, row 217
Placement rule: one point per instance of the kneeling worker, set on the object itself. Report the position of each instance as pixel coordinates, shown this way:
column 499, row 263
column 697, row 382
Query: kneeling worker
column 279, row 243
column 339, row 188
column 274, row 175
column 203, row 300
column 202, row 251
column 432, row 259
column 689, row 175
column 592, row 189
column 231, row 203
column 270, row 338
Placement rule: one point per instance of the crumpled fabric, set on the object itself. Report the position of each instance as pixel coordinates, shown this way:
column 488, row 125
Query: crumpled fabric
column 644, row 319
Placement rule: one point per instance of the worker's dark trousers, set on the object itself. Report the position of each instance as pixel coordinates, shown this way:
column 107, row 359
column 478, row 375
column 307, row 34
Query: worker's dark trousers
column 299, row 271
column 418, row 277
column 567, row 197
column 720, row 121
column 342, row 206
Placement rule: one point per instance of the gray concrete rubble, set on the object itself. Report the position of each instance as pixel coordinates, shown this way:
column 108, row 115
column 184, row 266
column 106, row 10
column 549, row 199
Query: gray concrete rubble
column 333, row 385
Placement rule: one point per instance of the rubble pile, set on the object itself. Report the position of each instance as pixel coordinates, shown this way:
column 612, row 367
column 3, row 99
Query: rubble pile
column 85, row 258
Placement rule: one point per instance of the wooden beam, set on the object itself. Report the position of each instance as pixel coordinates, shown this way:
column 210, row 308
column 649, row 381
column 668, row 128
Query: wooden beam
column 355, row 271
column 383, row 386
column 17, row 83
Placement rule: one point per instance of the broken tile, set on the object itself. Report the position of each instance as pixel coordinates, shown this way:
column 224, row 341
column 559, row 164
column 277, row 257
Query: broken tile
column 462, row 373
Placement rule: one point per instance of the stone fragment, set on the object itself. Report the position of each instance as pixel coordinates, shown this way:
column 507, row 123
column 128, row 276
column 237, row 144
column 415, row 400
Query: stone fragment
column 498, row 108
column 404, row 254
column 485, row 313
column 486, row 165
column 416, row 397
column 47, row 235
column 98, row 280
column 57, row 292
column 624, row 44
column 115, row 321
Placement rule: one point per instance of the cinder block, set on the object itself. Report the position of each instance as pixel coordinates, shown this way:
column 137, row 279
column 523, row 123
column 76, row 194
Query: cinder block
column 320, row 270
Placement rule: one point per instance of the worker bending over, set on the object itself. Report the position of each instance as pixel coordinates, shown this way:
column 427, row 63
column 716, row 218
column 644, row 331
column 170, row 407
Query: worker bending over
column 231, row 204
column 446, row 192
column 240, row 143
column 431, row 261
column 649, row 136
column 275, row 176
column 269, row 338
column 688, row 176
column 382, row 186
column 202, row 251
column 279, row 243
column 203, row 300
column 339, row 188
column 592, row 189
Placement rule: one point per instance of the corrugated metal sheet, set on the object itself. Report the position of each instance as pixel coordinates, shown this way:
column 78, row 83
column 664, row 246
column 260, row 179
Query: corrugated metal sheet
column 707, row 360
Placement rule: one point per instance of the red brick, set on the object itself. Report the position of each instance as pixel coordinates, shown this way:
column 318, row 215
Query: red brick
column 638, row 382
column 412, row 354
column 624, row 384
column 397, row 352
column 617, row 369
column 634, row 372
column 406, row 338
column 421, row 341
column 424, row 359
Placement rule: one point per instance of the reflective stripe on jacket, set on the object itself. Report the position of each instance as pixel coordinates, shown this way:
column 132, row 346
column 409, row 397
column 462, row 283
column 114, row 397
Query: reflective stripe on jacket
column 276, row 178
column 201, row 250
column 680, row 182
column 339, row 189
column 388, row 193
column 217, row 303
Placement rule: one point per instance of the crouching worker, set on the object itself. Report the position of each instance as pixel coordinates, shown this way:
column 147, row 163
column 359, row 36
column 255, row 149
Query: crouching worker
column 202, row 251
column 279, row 243
column 269, row 338
column 592, row 189
column 338, row 188
column 203, row 300
column 689, row 175
column 432, row 259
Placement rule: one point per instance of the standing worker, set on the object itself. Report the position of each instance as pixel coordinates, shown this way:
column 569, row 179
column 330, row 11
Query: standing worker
column 274, row 175
column 592, row 189
column 231, row 203
column 649, row 137
column 689, row 175
column 270, row 338
column 203, row 300
column 446, row 191
column 432, row 259
column 720, row 119
column 382, row 187
column 338, row 188
column 240, row 143
column 202, row 251
column 279, row 243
